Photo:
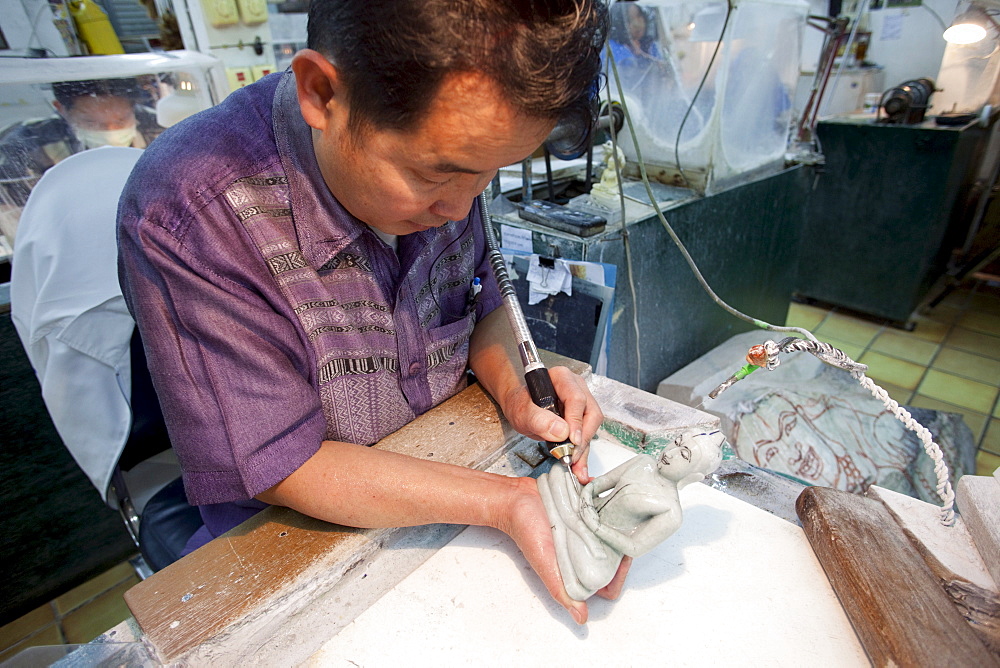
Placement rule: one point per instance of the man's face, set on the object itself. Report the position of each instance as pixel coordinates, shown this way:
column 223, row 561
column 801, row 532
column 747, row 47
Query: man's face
column 100, row 112
column 405, row 182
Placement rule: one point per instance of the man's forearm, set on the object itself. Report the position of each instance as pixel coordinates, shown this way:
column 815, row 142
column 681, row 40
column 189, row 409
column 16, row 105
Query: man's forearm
column 493, row 357
column 357, row 486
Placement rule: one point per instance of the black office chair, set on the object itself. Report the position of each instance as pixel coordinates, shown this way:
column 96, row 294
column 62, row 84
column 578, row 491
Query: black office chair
column 167, row 521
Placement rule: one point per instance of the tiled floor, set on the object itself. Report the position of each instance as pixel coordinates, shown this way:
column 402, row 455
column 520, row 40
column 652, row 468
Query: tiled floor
column 77, row 616
column 950, row 361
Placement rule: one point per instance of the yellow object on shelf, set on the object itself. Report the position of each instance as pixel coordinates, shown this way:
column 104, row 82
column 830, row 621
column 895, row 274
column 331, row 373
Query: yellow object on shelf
column 94, row 28
column 253, row 12
column 221, row 13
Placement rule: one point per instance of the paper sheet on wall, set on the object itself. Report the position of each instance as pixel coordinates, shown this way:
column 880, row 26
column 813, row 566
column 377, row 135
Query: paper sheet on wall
column 892, row 27
column 516, row 238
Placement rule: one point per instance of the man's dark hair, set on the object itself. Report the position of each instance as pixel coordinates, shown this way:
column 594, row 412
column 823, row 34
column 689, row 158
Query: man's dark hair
column 67, row 92
column 394, row 54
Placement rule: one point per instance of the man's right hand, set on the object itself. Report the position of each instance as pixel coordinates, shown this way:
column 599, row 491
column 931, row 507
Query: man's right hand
column 378, row 488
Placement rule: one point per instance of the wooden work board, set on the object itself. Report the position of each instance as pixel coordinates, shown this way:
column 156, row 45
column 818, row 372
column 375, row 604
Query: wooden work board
column 897, row 605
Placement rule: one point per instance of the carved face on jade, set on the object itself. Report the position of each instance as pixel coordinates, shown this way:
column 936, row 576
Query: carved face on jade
column 692, row 457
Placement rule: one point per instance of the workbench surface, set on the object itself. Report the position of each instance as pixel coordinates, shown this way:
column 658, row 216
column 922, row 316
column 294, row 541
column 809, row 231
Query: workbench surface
column 734, row 585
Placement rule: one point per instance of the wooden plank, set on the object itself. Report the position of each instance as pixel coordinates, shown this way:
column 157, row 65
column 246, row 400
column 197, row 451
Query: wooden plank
column 978, row 499
column 278, row 559
column 948, row 550
column 895, row 603
column 952, row 557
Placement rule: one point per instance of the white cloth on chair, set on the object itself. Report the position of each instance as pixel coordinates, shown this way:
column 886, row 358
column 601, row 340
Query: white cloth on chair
column 68, row 309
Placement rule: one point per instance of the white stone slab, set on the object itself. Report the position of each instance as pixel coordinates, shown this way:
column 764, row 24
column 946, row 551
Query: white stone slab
column 951, row 547
column 978, row 499
column 734, row 585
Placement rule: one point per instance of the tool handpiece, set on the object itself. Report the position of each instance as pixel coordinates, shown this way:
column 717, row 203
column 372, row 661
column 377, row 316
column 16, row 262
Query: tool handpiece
column 544, row 395
column 536, row 376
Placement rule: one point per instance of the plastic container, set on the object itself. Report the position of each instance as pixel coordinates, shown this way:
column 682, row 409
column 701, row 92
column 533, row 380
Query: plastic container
column 94, row 28
column 735, row 127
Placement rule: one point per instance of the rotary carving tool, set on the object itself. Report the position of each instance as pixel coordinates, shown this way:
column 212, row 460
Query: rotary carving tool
column 536, row 375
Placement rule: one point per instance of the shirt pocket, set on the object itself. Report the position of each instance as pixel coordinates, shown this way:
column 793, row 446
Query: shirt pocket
column 448, row 356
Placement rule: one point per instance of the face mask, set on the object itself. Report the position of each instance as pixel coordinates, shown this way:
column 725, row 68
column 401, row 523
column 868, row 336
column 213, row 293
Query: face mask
column 96, row 138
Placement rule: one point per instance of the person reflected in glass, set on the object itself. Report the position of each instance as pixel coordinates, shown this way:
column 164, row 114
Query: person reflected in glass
column 89, row 114
column 631, row 39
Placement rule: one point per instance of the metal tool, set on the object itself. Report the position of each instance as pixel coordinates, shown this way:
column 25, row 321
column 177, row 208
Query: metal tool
column 536, row 376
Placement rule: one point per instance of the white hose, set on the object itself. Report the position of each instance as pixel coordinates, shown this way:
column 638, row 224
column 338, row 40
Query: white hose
column 932, row 449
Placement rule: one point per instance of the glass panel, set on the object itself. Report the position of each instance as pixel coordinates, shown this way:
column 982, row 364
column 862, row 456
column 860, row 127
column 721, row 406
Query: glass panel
column 761, row 73
column 703, row 119
column 51, row 108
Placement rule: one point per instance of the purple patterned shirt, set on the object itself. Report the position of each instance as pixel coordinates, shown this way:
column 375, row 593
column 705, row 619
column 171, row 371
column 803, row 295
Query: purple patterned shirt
column 271, row 317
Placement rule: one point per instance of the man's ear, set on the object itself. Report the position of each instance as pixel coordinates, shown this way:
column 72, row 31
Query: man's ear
column 320, row 90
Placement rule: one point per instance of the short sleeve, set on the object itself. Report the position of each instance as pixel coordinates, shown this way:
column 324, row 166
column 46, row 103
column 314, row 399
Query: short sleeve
column 230, row 369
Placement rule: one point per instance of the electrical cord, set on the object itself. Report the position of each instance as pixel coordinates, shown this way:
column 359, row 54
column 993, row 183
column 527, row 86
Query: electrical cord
column 432, row 282
column 670, row 230
column 936, row 16
column 625, row 238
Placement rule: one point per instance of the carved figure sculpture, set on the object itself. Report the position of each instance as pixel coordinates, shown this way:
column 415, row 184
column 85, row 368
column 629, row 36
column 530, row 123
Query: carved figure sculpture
column 627, row 511
column 605, row 192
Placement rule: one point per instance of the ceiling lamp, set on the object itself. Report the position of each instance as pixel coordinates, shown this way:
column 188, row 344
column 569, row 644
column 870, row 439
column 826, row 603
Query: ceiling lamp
column 969, row 27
